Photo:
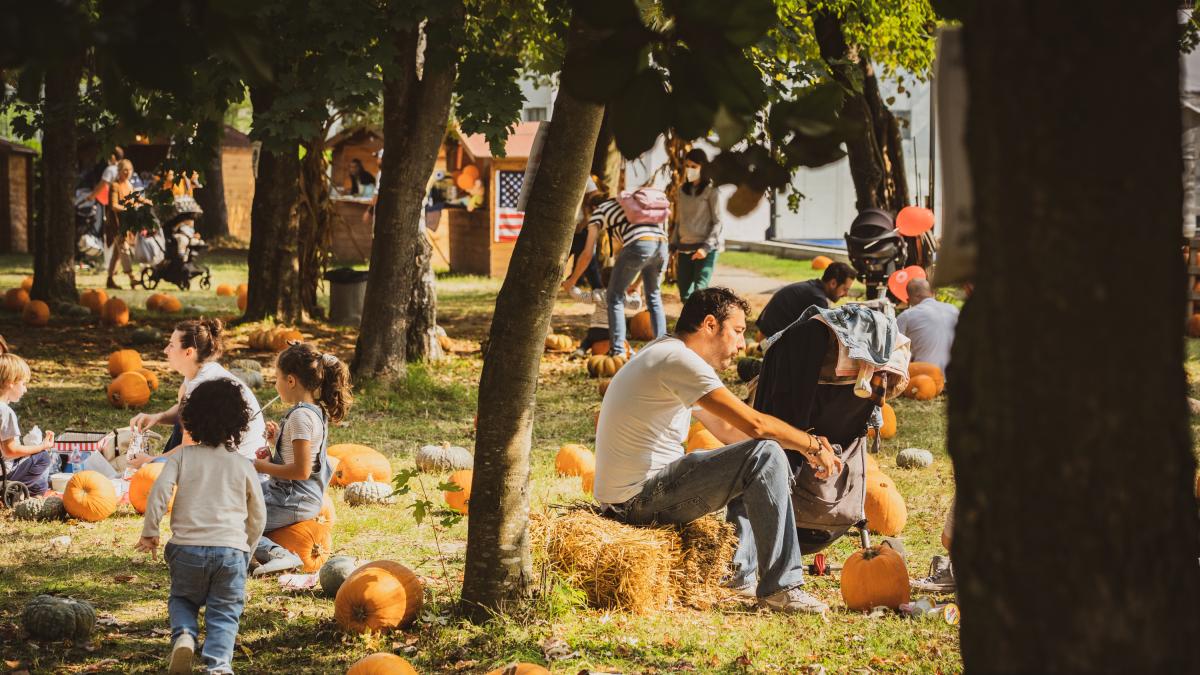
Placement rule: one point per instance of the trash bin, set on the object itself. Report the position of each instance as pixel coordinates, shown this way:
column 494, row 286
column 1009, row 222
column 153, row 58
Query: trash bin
column 347, row 288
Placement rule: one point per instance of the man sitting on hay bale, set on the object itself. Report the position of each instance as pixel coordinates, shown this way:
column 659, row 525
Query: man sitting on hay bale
column 643, row 476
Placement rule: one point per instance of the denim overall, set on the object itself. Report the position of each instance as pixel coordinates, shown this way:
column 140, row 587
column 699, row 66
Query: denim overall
column 292, row 501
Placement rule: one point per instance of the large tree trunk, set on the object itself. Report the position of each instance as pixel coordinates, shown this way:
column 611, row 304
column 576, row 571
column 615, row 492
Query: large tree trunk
column 876, row 154
column 398, row 307
column 54, row 238
column 498, row 568
column 1077, row 535
column 275, row 232
column 316, row 220
column 422, row 311
column 214, row 223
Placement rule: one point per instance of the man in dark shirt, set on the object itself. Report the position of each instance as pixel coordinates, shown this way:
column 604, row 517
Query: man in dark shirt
column 789, row 302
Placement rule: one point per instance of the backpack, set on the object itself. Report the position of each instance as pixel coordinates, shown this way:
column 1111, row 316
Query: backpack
column 645, row 206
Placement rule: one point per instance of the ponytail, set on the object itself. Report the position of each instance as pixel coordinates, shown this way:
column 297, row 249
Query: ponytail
column 324, row 374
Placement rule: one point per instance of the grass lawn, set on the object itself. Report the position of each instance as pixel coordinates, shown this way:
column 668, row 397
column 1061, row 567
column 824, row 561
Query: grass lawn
column 770, row 266
column 294, row 632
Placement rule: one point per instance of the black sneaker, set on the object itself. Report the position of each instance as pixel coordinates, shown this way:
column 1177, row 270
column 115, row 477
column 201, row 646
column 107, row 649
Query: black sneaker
column 940, row 579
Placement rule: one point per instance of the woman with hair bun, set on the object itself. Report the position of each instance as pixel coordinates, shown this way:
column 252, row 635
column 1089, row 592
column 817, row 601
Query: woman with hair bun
column 193, row 351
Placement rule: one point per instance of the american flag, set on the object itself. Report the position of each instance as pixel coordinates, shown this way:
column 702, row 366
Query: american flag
column 508, row 218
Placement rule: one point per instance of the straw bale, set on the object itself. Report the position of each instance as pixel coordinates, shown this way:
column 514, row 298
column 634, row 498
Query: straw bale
column 705, row 553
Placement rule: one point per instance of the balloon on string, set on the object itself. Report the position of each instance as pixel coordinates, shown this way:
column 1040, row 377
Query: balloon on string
column 898, row 282
column 913, row 221
column 467, row 177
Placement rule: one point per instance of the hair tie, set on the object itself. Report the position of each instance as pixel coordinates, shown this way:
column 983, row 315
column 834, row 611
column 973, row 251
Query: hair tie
column 328, row 360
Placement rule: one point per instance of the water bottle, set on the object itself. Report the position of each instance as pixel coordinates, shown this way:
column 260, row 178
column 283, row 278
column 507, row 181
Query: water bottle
column 75, row 462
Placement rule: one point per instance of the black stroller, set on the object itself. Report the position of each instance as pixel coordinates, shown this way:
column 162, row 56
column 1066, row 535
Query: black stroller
column 180, row 252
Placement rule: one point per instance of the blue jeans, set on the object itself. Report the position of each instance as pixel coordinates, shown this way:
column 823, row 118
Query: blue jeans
column 753, row 473
column 31, row 470
column 212, row 577
column 648, row 258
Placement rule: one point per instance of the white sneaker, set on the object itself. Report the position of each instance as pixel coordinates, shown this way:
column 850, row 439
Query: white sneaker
column 793, row 600
column 182, row 651
column 578, row 294
column 633, row 301
column 281, row 561
column 598, row 296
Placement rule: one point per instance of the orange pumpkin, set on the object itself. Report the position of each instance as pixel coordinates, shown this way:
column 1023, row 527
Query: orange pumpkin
column 309, row 539
column 604, row 365
column 378, row 597
column 225, row 291
column 587, row 480
column 36, row 313
column 129, row 390
column 142, row 482
column 875, row 577
column 281, row 338
column 699, row 438
column 520, row 669
column 888, row 430
column 16, row 299
column 170, row 305
column 342, row 449
column 124, row 361
column 327, row 515
column 151, row 378
column 242, row 299
column 357, row 467
column 601, row 348
column 115, row 312
column 871, row 463
column 886, row 511
column 924, row 368
column 460, row 500
column 640, row 327
column 381, row 663
column 90, row 496
column 27, row 283
column 574, row 460
column 922, row 388
column 242, row 289
column 94, row 300
column 821, row 262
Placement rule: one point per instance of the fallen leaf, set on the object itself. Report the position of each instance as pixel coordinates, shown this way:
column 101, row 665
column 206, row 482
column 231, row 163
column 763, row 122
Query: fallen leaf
column 744, row 661
column 125, row 578
column 12, row 665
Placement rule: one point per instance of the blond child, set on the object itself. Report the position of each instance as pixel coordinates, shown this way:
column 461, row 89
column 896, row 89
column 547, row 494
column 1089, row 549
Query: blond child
column 26, row 464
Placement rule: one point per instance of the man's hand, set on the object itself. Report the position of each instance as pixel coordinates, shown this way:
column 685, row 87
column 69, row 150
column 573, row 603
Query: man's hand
column 825, row 464
column 700, row 254
column 568, row 284
column 148, row 545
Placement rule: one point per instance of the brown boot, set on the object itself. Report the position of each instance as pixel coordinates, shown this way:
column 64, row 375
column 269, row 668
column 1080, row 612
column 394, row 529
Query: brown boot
column 112, row 284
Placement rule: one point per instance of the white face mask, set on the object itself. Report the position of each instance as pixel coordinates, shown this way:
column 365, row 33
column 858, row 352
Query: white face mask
column 692, row 174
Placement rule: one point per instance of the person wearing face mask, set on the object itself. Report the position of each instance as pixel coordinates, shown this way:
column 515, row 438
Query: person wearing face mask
column 697, row 238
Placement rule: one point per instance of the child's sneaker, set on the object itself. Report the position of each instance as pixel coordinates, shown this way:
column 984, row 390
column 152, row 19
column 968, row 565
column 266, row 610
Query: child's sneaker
column 940, row 579
column 182, row 651
column 579, row 295
column 281, row 561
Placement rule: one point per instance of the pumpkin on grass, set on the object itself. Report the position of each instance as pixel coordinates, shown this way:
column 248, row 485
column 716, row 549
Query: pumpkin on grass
column 225, row 290
column 129, row 390
column 90, row 496
column 342, row 449
column 885, row 508
column 327, row 514
column 925, row 368
column 309, row 539
column 871, row 463
column 381, row 663
column 334, row 573
column 94, row 300
column 151, row 378
column 922, row 388
column 357, row 467
column 38, row 508
column 587, row 480
column 699, row 438
column 821, row 262
column 875, row 577
column 170, row 305
column 888, row 430
column 604, row 365
column 559, row 343
column 36, row 313
column 142, row 482
column 27, row 283
column 601, row 347
column 15, row 299
column 460, row 500
column 640, row 326
column 242, row 300
column 124, row 361
column 115, row 312
column 47, row 617
column 444, row 457
column 574, row 460
column 378, row 597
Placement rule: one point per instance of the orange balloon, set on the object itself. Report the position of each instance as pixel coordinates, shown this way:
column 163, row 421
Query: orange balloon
column 898, row 282
column 467, row 177
column 913, row 221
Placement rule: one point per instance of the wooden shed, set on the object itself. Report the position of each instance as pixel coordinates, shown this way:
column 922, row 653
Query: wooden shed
column 238, row 169
column 361, row 143
column 16, row 196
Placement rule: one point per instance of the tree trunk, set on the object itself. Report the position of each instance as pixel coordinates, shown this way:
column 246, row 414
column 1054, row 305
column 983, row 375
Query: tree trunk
column 275, row 232
column 498, row 567
column 1076, row 536
column 398, row 306
column 876, row 155
column 316, row 220
column 422, row 311
column 214, row 224
column 54, row 239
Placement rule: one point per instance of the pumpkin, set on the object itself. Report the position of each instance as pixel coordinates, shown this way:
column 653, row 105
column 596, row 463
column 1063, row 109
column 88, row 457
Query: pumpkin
column 559, row 343
column 27, row 283
column 574, row 460
column 115, row 312
column 129, row 390
column 381, row 663
column 699, row 438
column 94, row 300
column 225, row 291
column 379, row 596
column 47, row 617
column 924, row 368
column 16, row 299
column 170, row 305
column 871, row 463
column 151, row 378
column 369, row 491
column 604, row 388
column 1193, row 325
column 155, row 301
column 281, row 338
column 874, row 577
column 821, row 262
column 327, row 514
column 587, row 480
column 90, row 496
column 444, row 457
column 460, row 500
column 885, row 508
column 141, row 483
column 604, row 365
column 36, row 313
column 601, row 347
column 250, row 378
column 341, row 450
column 640, row 326
column 242, row 299
column 309, row 539
column 124, row 361
column 357, row 467
column 914, row 458
column 888, row 430
column 334, row 573
column 38, row 508
column 242, row 289
column 922, row 388
column 520, row 669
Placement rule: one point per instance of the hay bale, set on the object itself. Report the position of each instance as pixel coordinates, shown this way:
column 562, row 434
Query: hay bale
column 705, row 552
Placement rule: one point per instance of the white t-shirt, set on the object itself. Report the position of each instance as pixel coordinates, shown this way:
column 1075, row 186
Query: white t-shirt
column 253, row 439
column 645, row 414
column 109, row 175
column 930, row 326
column 9, row 429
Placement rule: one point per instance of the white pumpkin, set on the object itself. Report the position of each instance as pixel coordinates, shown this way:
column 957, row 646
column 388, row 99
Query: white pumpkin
column 443, row 458
column 369, row 491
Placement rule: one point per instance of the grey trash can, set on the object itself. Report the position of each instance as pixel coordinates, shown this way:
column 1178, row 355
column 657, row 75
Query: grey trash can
column 347, row 288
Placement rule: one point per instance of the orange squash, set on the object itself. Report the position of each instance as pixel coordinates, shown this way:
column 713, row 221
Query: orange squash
column 574, row 460
column 922, row 388
column 699, row 438
column 640, row 327
column 15, row 299
column 36, row 313
column 378, row 597
column 821, row 262
column 520, row 669
column 460, row 500
column 242, row 289
column 381, row 663
column 124, row 361
column 27, row 283
column 872, row 464
column 129, row 390
column 90, row 496
column 170, row 305
column 587, row 480
column 225, row 291
column 604, row 365
column 309, row 539
column 115, row 312
column 924, row 368
column 281, row 338
column 341, row 450
column 357, row 467
column 151, row 378
column 601, row 348
column 875, row 577
column 141, row 483
column 888, row 430
column 242, row 299
column 559, row 343
column 94, row 300
column 886, row 511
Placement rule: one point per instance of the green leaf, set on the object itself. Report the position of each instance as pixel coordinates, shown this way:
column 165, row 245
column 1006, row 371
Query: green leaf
column 641, row 113
column 420, row 508
column 601, row 70
column 448, row 486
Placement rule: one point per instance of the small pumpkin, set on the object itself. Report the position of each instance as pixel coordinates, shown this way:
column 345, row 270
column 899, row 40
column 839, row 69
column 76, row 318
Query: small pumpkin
column 587, row 480
column 141, row 483
column 251, row 379
column 225, row 291
column 381, row 663
column 170, row 305
column 378, row 597
column 888, row 430
column 39, row 508
column 357, row 467
column 925, row 368
column 574, row 460
column 601, row 347
column 871, row 463
column 94, row 300
column 604, row 365
column 309, row 539
column 884, row 505
column 640, row 326
column 460, row 500
column 443, row 458
column 559, row 343
column 36, row 313
column 699, row 438
column 15, row 299
column 914, row 458
column 821, row 262
column 281, row 338
column 129, row 390
column 115, row 312
column 603, row 388
column 875, row 577
column 369, row 491
column 27, row 283
column 334, row 573
column 520, row 669
column 922, row 388
column 90, row 496
column 124, row 361
column 47, row 617
column 242, row 300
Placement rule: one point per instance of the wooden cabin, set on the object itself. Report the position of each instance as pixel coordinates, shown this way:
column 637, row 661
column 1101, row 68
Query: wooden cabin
column 239, row 162
column 16, row 197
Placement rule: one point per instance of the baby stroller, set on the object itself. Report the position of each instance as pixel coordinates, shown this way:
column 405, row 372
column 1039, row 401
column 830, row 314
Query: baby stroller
column 89, row 247
column 179, row 263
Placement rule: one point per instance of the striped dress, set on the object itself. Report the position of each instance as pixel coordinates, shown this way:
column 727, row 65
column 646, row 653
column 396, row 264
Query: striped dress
column 610, row 216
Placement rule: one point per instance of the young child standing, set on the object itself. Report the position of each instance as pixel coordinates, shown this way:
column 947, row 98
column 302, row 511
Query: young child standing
column 216, row 520
column 318, row 387
column 26, row 464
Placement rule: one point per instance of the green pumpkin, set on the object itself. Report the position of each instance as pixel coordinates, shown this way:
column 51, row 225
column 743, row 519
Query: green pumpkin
column 36, row 508
column 334, row 572
column 47, row 617
column 147, row 335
